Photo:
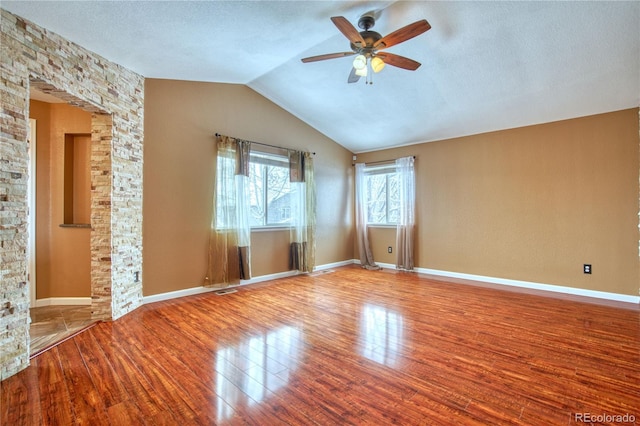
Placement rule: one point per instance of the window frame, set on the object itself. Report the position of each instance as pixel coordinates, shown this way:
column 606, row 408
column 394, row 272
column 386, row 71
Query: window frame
column 388, row 170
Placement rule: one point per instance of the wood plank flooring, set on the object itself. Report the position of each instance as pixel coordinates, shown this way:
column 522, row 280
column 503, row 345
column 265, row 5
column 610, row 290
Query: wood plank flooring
column 344, row 347
column 52, row 324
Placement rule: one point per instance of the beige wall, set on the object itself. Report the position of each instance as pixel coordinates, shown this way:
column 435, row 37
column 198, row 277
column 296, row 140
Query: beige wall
column 531, row 204
column 181, row 119
column 63, row 256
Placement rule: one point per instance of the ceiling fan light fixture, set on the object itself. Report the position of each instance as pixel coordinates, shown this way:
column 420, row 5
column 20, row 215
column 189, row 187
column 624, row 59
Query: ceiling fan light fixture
column 362, row 72
column 377, row 64
column 360, row 62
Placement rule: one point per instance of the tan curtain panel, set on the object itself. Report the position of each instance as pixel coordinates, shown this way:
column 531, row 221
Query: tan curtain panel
column 407, row 218
column 362, row 232
column 303, row 212
column 229, row 243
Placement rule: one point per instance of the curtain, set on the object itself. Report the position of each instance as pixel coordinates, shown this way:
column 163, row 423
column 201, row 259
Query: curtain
column 229, row 242
column 362, row 234
column 406, row 221
column 303, row 212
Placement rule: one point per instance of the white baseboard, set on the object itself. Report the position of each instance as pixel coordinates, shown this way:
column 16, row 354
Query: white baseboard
column 67, row 301
column 199, row 290
column 270, row 277
column 333, row 265
column 535, row 286
column 523, row 284
column 176, row 294
column 447, row 274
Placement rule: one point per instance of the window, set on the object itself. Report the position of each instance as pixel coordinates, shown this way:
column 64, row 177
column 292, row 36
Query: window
column 382, row 191
column 269, row 190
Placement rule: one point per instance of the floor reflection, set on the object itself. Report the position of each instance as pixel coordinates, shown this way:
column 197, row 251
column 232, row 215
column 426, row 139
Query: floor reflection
column 382, row 332
column 246, row 373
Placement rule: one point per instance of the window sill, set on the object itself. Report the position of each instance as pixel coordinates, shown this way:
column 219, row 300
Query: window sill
column 269, row 228
column 380, row 225
column 75, row 225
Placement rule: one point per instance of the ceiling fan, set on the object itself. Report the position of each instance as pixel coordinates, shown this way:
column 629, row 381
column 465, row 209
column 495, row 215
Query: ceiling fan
column 368, row 44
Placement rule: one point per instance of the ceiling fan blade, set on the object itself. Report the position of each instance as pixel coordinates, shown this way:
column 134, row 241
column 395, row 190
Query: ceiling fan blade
column 403, row 34
column 327, row 56
column 353, row 77
column 399, row 61
column 348, row 30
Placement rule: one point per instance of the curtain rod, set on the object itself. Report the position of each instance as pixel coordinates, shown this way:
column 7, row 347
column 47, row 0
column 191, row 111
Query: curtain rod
column 265, row 144
column 381, row 161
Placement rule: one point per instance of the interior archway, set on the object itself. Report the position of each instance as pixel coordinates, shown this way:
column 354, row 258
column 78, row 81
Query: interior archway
column 101, row 135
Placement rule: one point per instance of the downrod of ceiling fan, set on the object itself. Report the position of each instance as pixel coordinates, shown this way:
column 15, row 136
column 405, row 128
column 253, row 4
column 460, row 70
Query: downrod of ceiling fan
column 366, row 21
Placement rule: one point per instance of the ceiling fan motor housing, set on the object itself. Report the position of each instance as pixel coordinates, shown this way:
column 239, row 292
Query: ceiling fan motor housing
column 370, row 37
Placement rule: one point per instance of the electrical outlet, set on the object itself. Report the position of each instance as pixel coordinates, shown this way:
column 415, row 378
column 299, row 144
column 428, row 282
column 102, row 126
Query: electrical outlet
column 586, row 268
column 389, row 249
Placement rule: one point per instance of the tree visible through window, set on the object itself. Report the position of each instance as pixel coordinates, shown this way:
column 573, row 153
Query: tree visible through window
column 269, row 190
column 383, row 201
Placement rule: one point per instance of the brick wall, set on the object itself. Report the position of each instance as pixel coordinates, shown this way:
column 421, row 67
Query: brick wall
column 31, row 56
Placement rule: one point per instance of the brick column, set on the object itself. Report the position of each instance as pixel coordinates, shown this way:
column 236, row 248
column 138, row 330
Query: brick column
column 33, row 56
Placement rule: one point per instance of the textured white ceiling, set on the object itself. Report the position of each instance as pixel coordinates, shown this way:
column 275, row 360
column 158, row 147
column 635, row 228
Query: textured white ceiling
column 485, row 65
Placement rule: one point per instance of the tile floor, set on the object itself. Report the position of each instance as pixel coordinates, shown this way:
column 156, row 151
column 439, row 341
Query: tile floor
column 52, row 324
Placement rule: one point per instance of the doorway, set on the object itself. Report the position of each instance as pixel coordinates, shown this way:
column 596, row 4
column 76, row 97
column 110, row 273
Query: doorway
column 59, row 247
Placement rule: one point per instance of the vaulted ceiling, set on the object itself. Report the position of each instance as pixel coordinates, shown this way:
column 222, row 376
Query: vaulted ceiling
column 485, row 65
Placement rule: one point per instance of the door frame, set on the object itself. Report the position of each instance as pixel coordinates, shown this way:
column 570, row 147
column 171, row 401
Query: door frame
column 31, row 191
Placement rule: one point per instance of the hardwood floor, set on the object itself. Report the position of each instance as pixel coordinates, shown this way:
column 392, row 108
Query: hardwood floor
column 343, row 347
